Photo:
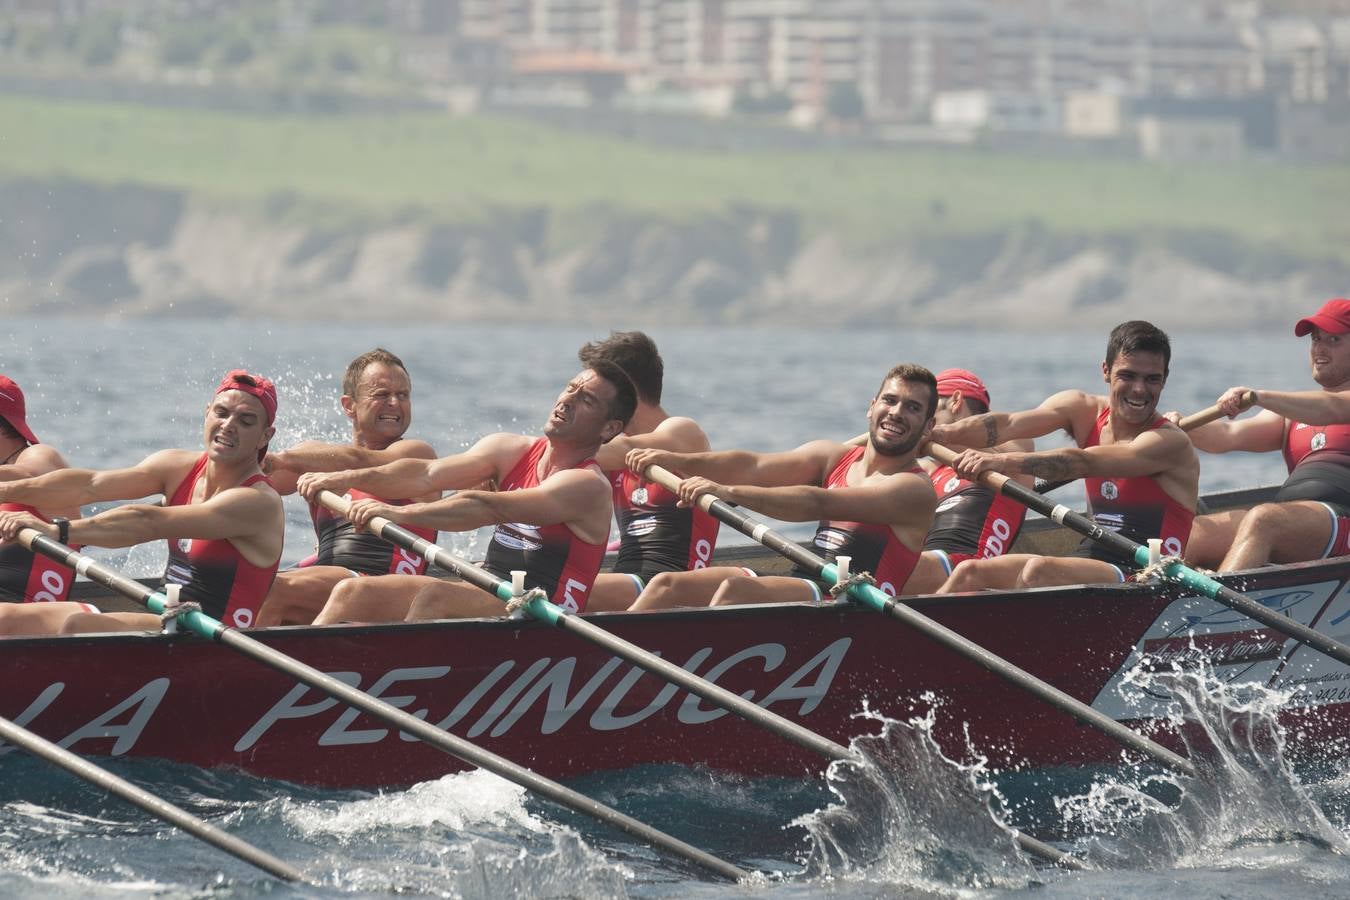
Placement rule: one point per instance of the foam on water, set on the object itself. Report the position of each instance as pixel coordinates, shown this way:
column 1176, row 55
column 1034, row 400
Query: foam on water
column 911, row 817
column 1245, row 792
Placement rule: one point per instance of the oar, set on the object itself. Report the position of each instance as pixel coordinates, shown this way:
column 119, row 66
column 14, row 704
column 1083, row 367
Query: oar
column 209, row 628
column 1187, row 423
column 873, row 598
column 545, row 611
column 1175, row 571
column 156, row 806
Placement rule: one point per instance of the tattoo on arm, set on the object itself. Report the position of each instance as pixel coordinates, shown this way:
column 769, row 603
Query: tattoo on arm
column 990, row 431
column 1051, row 466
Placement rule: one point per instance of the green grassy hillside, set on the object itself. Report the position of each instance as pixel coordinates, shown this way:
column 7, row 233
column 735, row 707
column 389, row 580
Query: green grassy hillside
column 455, row 167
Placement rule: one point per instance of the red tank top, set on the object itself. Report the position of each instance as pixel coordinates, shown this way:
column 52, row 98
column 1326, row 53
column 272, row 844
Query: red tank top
column 1316, row 443
column 656, row 534
column 213, row 572
column 553, row 558
column 340, row 544
column 874, row 548
column 31, row 577
column 1137, row 508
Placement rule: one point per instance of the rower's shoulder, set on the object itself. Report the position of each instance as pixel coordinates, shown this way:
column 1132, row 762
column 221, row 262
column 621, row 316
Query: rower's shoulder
column 684, row 431
column 38, row 459
column 412, row 448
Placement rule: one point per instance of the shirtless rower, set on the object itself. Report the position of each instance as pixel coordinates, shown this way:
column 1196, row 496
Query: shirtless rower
column 26, row 576
column 1310, row 516
column 552, row 509
column 377, row 398
column 655, row 533
column 971, row 521
column 874, row 503
column 223, row 521
column 1141, row 471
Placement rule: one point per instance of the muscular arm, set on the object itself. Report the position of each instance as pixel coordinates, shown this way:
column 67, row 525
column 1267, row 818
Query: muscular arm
column 286, row 467
column 678, row 434
column 1063, row 411
column 896, row 500
column 417, row 477
column 237, row 513
column 1260, row 433
column 806, row 464
column 566, row 497
column 1150, row 453
column 63, row 488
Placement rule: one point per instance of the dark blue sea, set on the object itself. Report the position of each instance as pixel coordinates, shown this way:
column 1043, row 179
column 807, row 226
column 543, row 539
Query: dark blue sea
column 907, row 823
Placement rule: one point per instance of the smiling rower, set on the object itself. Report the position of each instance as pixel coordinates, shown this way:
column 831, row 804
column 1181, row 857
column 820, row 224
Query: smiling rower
column 1310, row 517
column 222, row 519
column 1140, row 470
column 873, row 502
column 552, row 508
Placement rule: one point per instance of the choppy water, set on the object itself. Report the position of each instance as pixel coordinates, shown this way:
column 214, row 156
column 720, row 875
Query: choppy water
column 908, row 824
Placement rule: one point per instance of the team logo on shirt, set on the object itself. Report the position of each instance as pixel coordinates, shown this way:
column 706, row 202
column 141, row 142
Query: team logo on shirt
column 952, row 484
column 1319, row 441
column 1109, row 490
column 642, row 525
column 948, row 503
column 639, row 496
column 831, row 538
column 185, row 545
column 518, row 536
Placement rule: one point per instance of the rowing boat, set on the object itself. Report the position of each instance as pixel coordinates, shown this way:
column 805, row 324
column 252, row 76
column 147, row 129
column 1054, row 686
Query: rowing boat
column 566, row 708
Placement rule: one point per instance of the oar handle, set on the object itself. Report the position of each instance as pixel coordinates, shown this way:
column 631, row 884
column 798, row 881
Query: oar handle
column 947, row 456
column 1212, row 413
column 671, row 482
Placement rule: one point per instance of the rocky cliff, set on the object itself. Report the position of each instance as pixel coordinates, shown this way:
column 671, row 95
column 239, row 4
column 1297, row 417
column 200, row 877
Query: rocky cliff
column 79, row 248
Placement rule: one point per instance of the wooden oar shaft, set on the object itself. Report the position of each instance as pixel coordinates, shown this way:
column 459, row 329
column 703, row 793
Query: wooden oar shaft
column 643, row 659
column 207, row 627
column 155, row 806
column 1178, row 572
column 1187, row 423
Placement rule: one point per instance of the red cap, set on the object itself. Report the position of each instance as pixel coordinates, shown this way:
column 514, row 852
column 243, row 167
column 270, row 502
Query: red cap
column 12, row 409
column 1333, row 318
column 258, row 386
column 949, row 381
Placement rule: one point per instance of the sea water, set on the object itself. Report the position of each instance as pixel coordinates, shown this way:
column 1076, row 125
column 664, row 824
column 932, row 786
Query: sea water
column 907, row 822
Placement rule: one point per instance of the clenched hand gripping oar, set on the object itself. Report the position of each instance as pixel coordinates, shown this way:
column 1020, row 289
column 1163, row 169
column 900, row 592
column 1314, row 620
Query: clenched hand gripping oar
column 545, row 611
column 1187, row 423
column 207, row 627
column 873, row 598
column 1173, row 571
column 156, row 806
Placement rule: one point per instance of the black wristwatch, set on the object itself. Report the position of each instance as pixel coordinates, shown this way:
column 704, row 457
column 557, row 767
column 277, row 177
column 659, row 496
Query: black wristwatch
column 62, row 528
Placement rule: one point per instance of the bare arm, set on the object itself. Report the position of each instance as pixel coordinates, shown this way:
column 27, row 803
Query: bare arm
column 1306, row 407
column 416, row 477
column 1148, row 454
column 806, row 464
column 64, row 488
column 563, row 498
column 1063, row 411
column 285, row 467
column 897, row 500
column 680, row 434
column 1260, row 433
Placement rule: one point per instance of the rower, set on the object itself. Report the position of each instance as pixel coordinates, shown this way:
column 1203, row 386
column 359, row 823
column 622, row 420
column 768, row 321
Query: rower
column 552, row 510
column 377, row 399
column 1142, row 475
column 972, row 521
column 26, row 577
column 223, row 521
column 1310, row 516
column 874, row 503
column 656, row 534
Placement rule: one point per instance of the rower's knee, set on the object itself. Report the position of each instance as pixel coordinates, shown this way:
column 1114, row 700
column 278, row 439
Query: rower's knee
column 658, row 593
column 969, row 575
column 1040, row 571
column 733, row 590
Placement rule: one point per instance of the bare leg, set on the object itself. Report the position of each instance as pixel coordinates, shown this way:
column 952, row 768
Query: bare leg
column 297, row 595
column 94, row 623
column 927, row 577
column 1281, row 533
column 454, row 600
column 381, row 598
column 31, row 619
column 1211, row 537
column 672, row 590
column 740, row 589
column 1044, row 571
column 1000, row 573
column 612, row 592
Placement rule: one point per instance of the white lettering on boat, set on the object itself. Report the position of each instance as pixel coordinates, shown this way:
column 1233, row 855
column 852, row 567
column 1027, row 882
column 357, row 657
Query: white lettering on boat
column 339, row 733
column 286, row 708
column 144, row 702
column 558, row 710
column 691, row 712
